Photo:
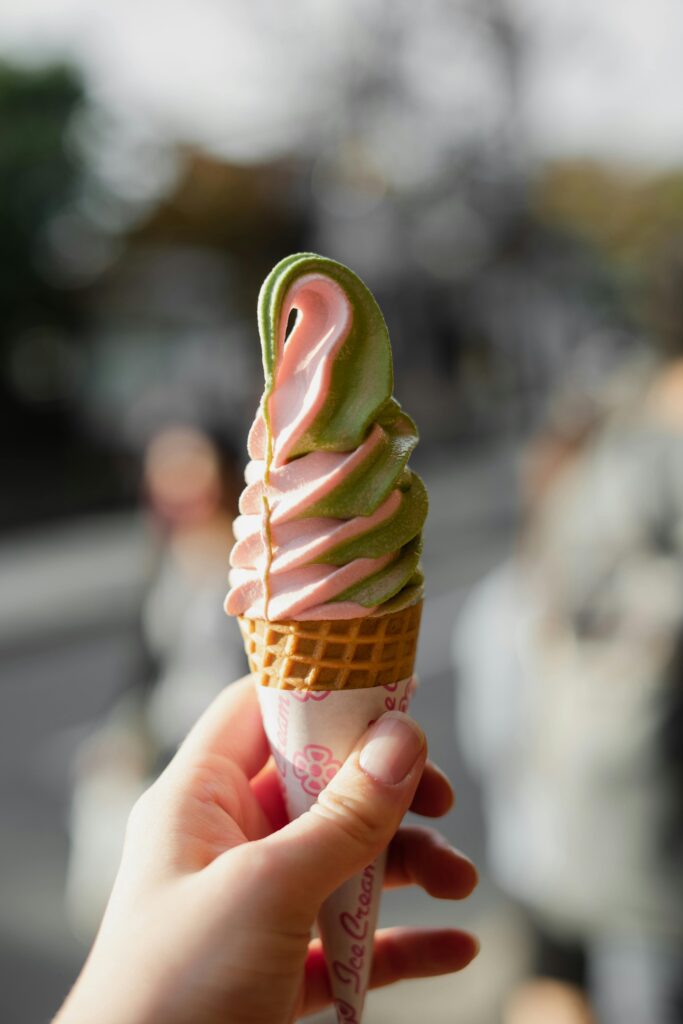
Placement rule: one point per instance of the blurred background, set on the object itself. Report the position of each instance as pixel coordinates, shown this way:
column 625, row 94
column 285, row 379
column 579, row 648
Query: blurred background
column 507, row 177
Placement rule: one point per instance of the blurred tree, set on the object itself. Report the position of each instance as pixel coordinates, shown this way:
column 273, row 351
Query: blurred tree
column 38, row 175
column 47, row 466
column 636, row 221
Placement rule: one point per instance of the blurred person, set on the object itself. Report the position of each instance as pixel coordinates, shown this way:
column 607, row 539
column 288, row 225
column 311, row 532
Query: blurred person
column 496, row 718
column 211, row 915
column 572, row 718
column 191, row 483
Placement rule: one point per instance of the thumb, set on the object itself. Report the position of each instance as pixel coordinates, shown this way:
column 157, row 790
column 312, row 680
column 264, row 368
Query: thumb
column 355, row 817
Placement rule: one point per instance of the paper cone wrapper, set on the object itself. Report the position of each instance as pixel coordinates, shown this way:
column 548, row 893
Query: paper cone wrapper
column 311, row 733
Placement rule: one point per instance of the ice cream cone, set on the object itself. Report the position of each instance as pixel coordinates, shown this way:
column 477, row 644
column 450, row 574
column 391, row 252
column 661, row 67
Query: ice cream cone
column 339, row 654
column 320, row 685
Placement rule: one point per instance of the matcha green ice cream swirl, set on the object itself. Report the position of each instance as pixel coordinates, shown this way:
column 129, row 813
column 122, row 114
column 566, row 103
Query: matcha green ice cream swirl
column 331, row 516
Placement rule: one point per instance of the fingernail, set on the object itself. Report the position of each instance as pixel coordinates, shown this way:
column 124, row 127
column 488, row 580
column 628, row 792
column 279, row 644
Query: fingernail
column 392, row 747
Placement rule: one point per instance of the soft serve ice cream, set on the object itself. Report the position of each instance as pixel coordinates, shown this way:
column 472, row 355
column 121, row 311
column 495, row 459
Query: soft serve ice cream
column 331, row 516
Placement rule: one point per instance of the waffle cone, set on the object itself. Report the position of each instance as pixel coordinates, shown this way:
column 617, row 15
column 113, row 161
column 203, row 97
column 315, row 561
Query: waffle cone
column 341, row 654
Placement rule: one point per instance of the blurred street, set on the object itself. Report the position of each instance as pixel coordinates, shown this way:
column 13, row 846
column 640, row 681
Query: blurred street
column 506, row 177
column 83, row 653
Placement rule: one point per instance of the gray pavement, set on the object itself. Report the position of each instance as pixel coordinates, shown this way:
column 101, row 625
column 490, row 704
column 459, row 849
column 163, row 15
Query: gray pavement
column 68, row 646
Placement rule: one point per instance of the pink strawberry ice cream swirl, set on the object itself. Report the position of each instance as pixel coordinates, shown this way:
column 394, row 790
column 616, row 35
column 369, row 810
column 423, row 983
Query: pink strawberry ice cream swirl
column 295, row 588
column 296, row 543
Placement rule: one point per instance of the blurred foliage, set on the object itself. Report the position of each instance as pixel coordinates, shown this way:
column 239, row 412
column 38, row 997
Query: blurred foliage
column 47, row 463
column 637, row 222
column 628, row 215
column 38, row 175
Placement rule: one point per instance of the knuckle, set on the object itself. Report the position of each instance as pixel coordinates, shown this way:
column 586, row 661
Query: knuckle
column 419, row 836
column 395, row 959
column 353, row 817
column 251, row 863
column 410, row 847
column 203, row 774
column 209, row 779
column 141, row 812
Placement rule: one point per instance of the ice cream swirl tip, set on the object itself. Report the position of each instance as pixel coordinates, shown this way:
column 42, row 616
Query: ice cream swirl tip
column 331, row 516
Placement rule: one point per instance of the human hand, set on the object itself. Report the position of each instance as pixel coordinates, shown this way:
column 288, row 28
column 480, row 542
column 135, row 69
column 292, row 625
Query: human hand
column 211, row 913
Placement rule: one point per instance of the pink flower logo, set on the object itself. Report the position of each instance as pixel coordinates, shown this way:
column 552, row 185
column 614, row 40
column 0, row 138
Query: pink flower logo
column 314, row 766
column 304, row 695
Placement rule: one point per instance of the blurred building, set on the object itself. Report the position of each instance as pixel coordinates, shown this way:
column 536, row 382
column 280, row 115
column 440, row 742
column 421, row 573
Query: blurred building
column 506, row 176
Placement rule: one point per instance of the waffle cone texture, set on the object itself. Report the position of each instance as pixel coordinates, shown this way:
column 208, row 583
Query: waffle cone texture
column 342, row 654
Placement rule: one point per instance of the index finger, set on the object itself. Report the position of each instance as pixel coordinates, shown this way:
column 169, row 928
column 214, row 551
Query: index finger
column 230, row 727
